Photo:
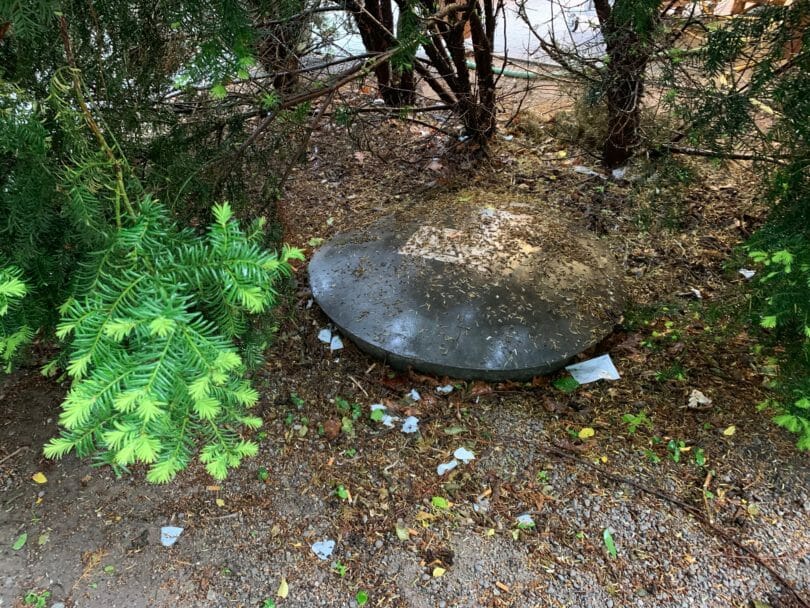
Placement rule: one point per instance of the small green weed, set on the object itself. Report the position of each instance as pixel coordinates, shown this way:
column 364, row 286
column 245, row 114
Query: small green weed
column 634, row 421
column 348, row 409
column 36, row 599
column 339, row 568
column 673, row 372
column 652, row 456
column 675, row 448
column 566, row 384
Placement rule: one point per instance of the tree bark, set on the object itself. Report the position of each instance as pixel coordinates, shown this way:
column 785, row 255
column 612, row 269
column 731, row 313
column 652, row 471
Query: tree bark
column 628, row 51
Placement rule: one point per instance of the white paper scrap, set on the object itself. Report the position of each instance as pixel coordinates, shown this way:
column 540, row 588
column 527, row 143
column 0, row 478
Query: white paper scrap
column 464, row 455
column 414, row 395
column 599, row 368
column 411, row 424
column 169, row 535
column 389, row 421
column 525, row 521
column 697, row 399
column 444, row 390
column 325, row 335
column 446, row 466
column 323, row 548
column 336, row 343
column 747, row 274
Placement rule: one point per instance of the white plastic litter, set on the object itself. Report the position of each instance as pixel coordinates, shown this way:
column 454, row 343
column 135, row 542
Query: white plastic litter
column 336, row 343
column 411, row 425
column 414, row 395
column 323, row 548
column 446, row 466
column 325, row 335
column 389, row 421
column 619, row 173
column 464, row 455
column 169, row 535
column 525, row 520
column 747, row 274
column 444, row 390
column 377, row 406
column 599, row 368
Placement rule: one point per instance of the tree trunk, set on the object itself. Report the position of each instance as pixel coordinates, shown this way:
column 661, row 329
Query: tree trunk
column 627, row 38
column 373, row 18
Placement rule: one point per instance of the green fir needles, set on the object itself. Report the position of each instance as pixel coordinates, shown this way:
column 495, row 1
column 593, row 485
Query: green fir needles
column 152, row 355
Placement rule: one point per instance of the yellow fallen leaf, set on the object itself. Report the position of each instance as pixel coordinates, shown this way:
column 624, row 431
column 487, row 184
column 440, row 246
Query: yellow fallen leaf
column 763, row 107
column 39, row 477
column 491, row 532
column 220, row 502
column 730, row 431
column 438, row 571
column 283, row 589
column 562, row 154
column 586, row 433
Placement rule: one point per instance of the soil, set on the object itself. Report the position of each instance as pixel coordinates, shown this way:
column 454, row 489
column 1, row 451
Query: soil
column 685, row 531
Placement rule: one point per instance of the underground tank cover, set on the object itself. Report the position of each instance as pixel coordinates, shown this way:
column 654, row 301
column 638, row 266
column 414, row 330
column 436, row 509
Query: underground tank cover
column 494, row 294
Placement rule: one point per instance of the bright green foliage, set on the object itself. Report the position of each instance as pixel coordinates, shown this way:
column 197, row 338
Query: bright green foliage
column 766, row 111
column 156, row 321
column 13, row 331
column 155, row 370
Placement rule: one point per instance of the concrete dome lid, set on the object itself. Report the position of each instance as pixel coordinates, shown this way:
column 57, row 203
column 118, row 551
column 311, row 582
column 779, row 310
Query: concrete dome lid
column 506, row 292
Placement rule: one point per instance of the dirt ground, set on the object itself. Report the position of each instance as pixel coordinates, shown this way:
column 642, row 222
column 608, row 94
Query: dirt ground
column 706, row 505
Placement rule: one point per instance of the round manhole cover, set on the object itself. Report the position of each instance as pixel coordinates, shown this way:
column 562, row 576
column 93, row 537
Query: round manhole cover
column 506, row 293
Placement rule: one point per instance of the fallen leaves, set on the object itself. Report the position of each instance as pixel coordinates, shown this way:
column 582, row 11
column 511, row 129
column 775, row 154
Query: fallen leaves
column 610, row 545
column 20, row 542
column 39, row 477
column 283, row 589
column 331, row 429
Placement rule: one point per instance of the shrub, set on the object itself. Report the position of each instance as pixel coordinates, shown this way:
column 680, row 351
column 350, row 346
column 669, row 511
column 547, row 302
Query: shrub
column 151, row 316
column 152, row 356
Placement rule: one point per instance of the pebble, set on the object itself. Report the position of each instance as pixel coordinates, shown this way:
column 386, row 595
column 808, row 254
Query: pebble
column 378, row 544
